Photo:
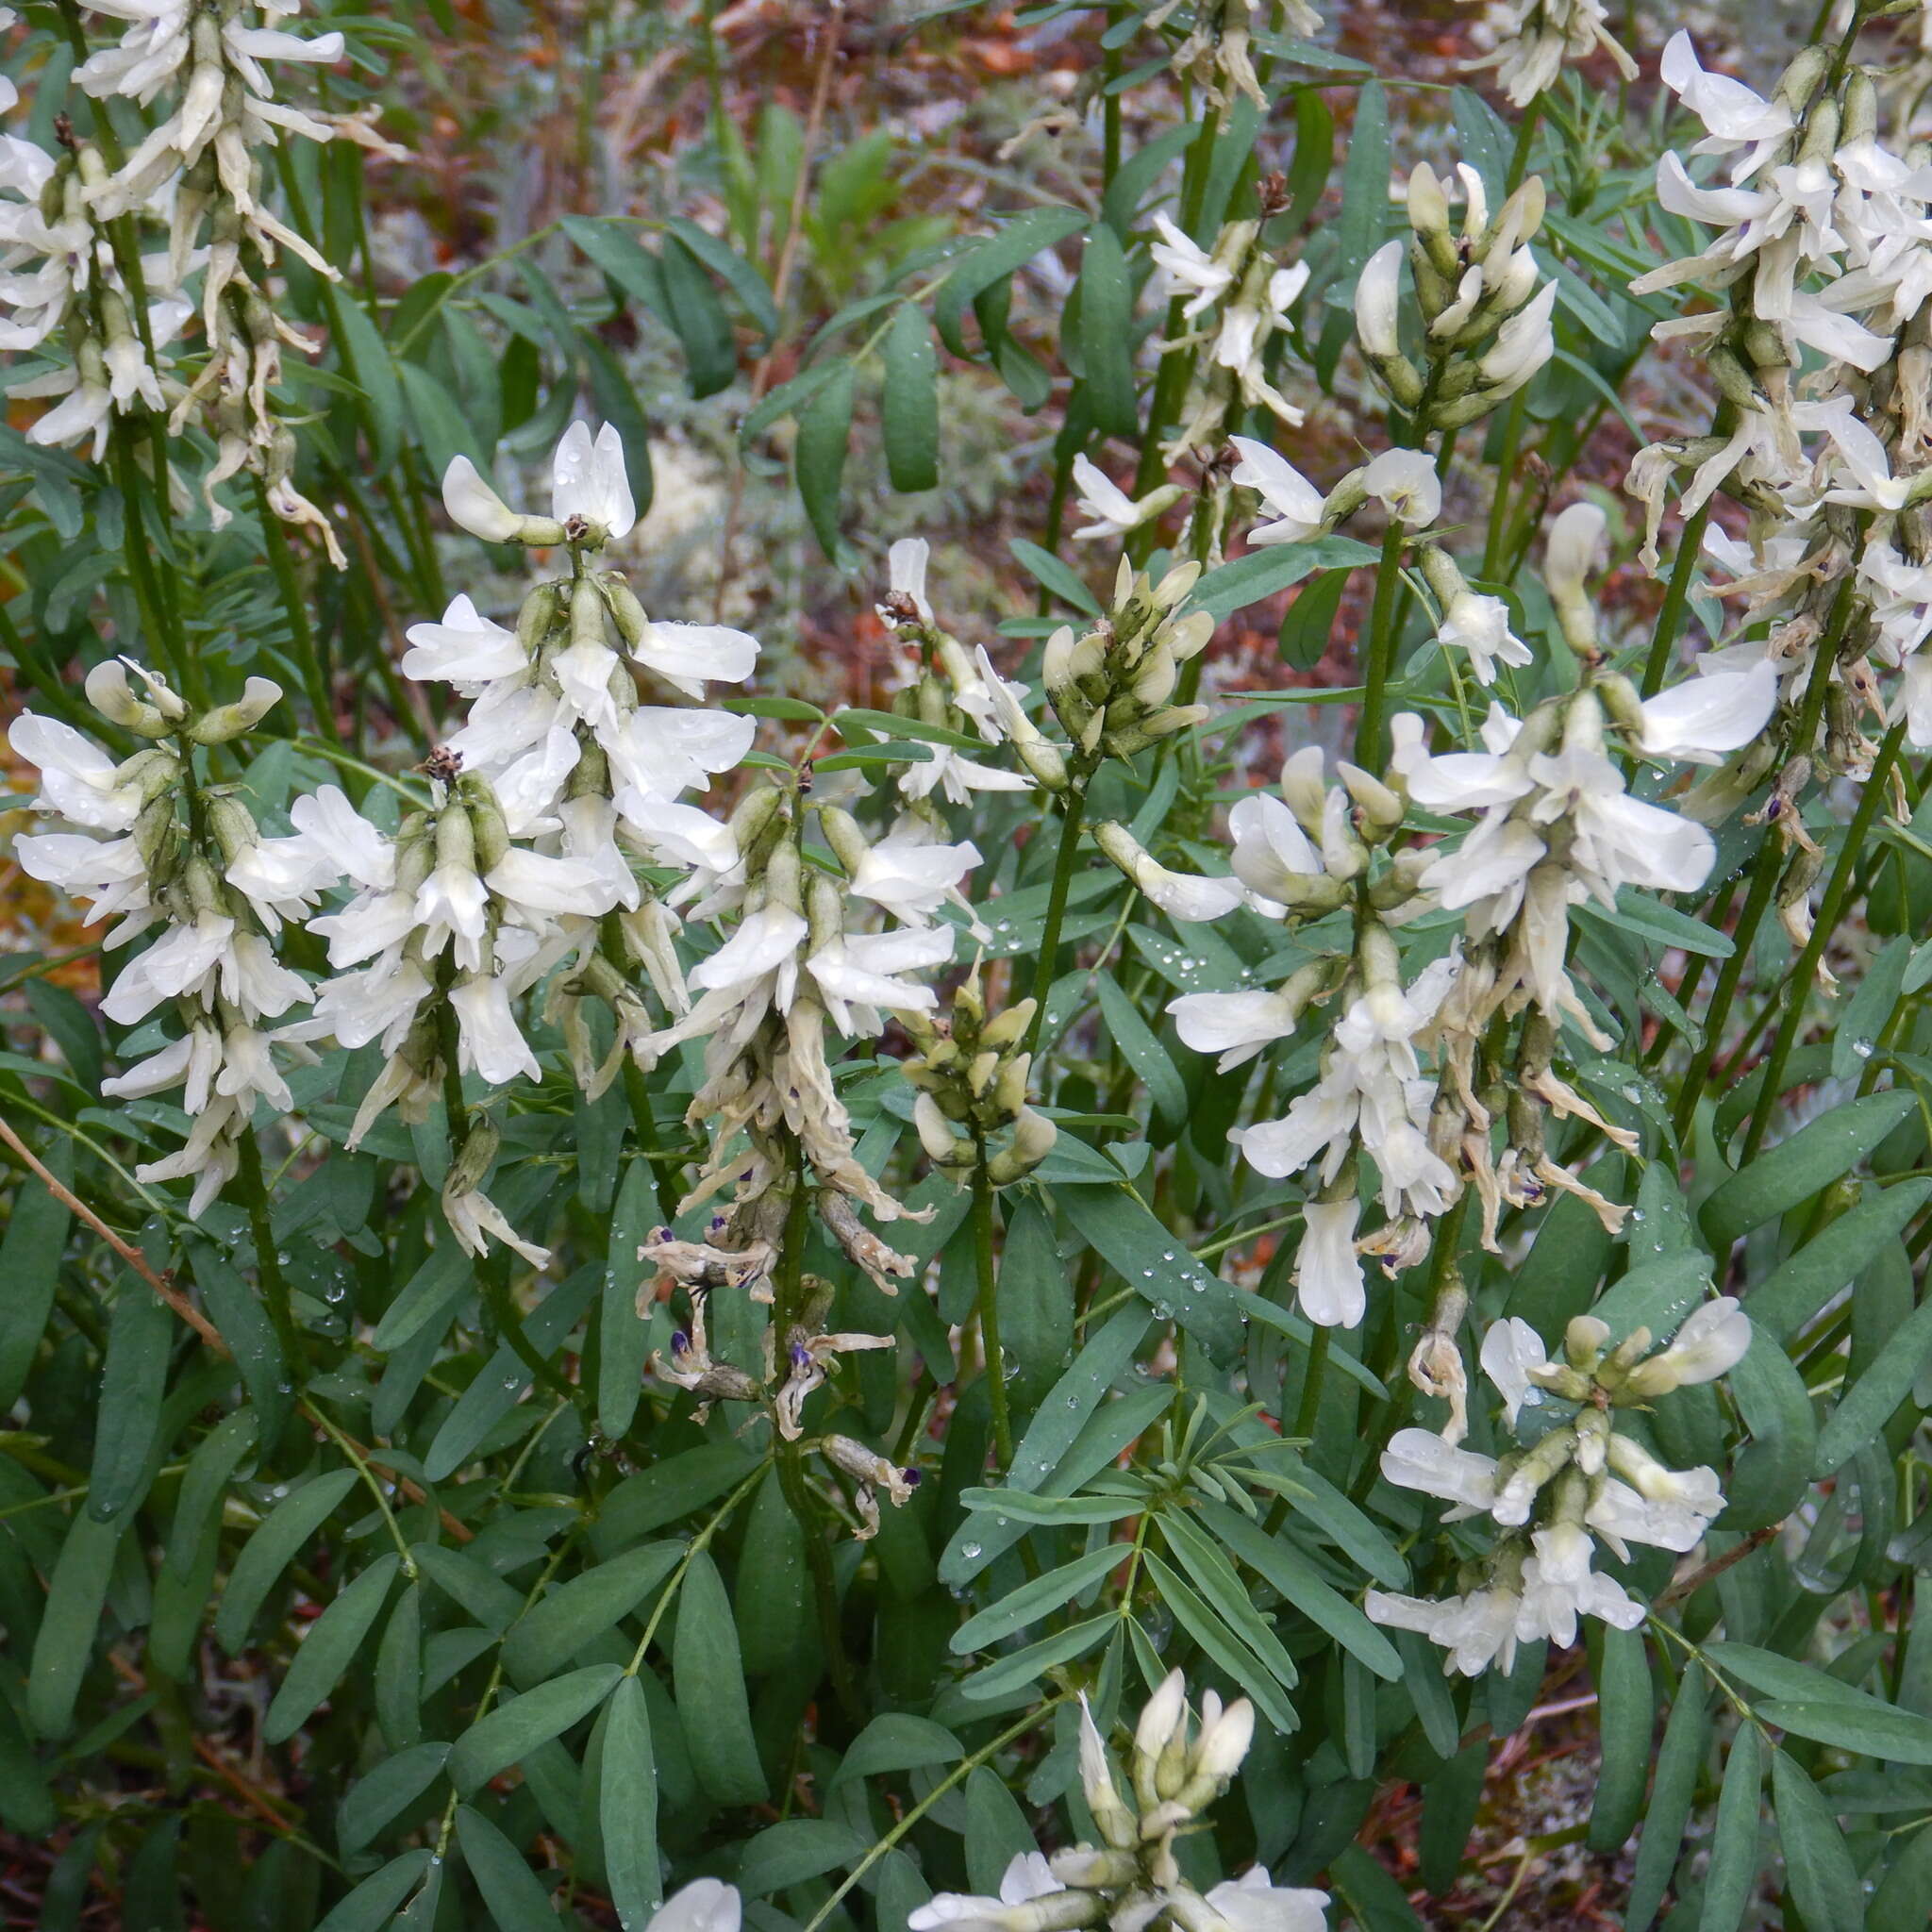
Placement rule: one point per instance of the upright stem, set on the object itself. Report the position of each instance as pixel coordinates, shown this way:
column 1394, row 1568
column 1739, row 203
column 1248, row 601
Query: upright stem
column 1822, row 930
column 1670, row 620
column 1368, row 748
column 791, row 1458
column 989, row 1310
column 281, row 561
column 275, row 1286
column 1072, row 812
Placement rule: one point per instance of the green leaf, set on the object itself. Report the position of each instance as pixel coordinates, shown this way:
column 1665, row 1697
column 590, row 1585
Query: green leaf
column 517, row 1726
column 667, row 1491
column 1211, row 1630
column 373, row 1902
column 1142, row 1049
column 1308, row 622
column 1663, row 926
column 1036, row 1303
column 198, row 1502
column 824, row 429
column 432, row 1291
column 63, row 1646
column 133, row 1381
column 329, row 1649
column 896, row 1740
column 1679, row 1762
column 1231, row 587
column 993, row 260
column 30, row 1255
column 731, row 268
column 237, row 1311
column 1818, row 1870
column 698, row 320
column 1899, row 1904
column 366, row 362
column 1799, row 1286
column 466, row 1581
column 399, row 1673
column 1869, row 1009
column 1107, row 333
column 513, row 1892
column 1277, row 1561
column 1818, row 1153
column 584, row 1608
column 1156, row 1265
column 789, row 1853
column 777, row 1624
column 1868, row 1727
column 1867, row 1405
column 1011, row 1674
column 390, row 1786
column 441, row 427
column 707, row 1677
column 1626, row 1705
column 1035, row 1599
column 1048, row 570
column 270, row 1551
column 1770, row 1475
column 627, row 1801
column 910, row 408
column 623, row 1335
column 1733, row 1869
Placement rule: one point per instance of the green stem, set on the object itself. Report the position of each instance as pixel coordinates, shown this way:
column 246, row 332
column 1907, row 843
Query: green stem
column 1370, row 750
column 789, row 1293
column 281, row 562
column 988, row 1310
column 1309, row 1408
column 275, row 1286
column 1072, row 813
column 1526, row 137
column 1804, row 974
column 1670, row 620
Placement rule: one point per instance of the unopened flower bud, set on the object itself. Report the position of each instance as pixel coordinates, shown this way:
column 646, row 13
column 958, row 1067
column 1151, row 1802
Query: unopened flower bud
column 154, row 715
column 258, row 696
column 1033, row 1139
column 1376, row 303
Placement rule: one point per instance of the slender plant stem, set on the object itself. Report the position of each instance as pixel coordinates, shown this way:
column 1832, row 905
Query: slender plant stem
column 1805, row 974
column 788, row 1292
column 1369, row 746
column 989, row 1310
column 1072, row 813
column 274, row 1284
column 1670, row 620
column 302, row 634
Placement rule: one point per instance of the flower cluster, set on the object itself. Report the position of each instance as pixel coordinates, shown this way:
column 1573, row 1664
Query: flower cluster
column 1531, row 39
column 1575, row 1479
column 1133, row 1878
column 1486, row 323
column 160, row 849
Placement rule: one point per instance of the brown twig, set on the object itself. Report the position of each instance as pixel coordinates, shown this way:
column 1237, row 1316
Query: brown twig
column 781, row 279
column 1705, row 1572
column 194, row 1318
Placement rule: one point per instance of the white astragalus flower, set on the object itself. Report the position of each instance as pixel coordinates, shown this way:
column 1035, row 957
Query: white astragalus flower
column 706, row 1904
column 1253, row 1903
column 588, row 486
column 1027, row 1877
column 1476, row 1629
column 1296, row 504
column 1405, row 483
column 1532, row 38
column 1189, row 268
column 1478, row 624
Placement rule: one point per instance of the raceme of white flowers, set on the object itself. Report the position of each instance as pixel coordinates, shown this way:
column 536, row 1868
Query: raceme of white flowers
column 74, row 278
column 1575, row 1481
column 1176, row 1769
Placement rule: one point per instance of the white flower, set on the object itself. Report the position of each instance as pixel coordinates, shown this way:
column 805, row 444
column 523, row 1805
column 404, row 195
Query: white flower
column 1236, row 1025
column 77, row 779
column 1419, row 1459
column 1522, row 345
column 1253, row 1903
column 473, row 506
column 1704, row 717
column 1735, row 116
column 860, row 976
column 706, row 1904
column 1027, row 1876
column 1621, row 1515
column 464, row 650
column 1480, row 625
column 1271, row 853
column 1476, row 1630
column 474, row 1218
column 1572, row 550
column 905, row 563
column 490, row 1042
column 1188, row 265
column 1114, row 512
column 1296, row 503
column 1558, row 1585
column 1510, row 1350
column 1327, row 1269
column 1408, row 486
column 1710, row 1343
column 589, row 480
column 1376, row 303
column 912, row 877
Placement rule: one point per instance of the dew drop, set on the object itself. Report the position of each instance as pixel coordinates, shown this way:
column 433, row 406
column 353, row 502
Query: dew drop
column 970, row 1551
